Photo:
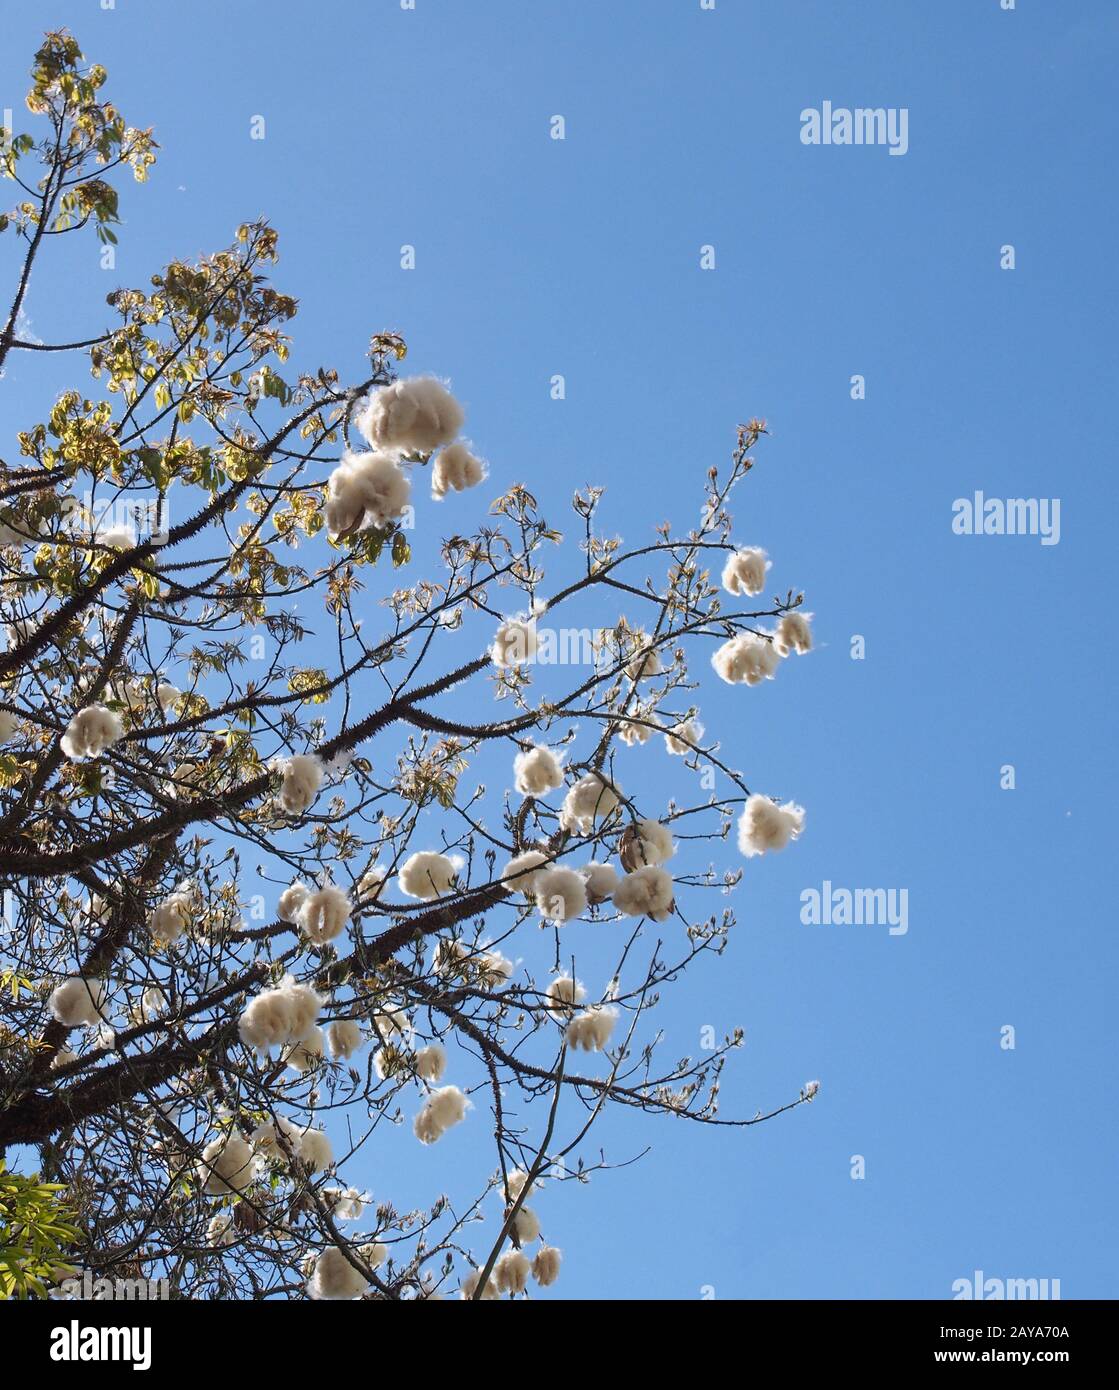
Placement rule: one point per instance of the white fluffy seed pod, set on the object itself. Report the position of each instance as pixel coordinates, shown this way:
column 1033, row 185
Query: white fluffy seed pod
column 315, row 1149
column 303, row 776
column 323, row 914
column 9, row 723
column 335, row 1278
column 470, row 1283
column 793, row 634
column 765, row 826
column 638, row 730
column 431, row 1062
column 563, row 994
column 515, row 643
column 291, row 900
column 522, row 871
column 266, row 1143
column 536, row 770
column 493, row 969
column 90, row 732
column 647, row 892
column 220, row 1230
column 647, row 842
column 684, row 738
column 744, row 571
column 226, row 1165
column 455, row 470
column 343, row 1038
column 644, row 664
column 746, row 660
column 413, row 416
column 527, row 1225
column 428, row 875
column 62, row 1058
column 510, row 1272
column 591, row 798
column 365, row 490
column 561, row 894
column 392, row 1023
column 546, row 1265
column 601, row 880
column 78, row 1003
column 590, row 1031
column 303, row 1056
column 440, row 1111
column 168, row 696
column 170, row 919
column 283, row 1014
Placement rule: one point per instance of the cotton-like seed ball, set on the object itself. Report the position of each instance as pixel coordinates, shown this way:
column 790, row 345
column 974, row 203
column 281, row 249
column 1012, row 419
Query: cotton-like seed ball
column 335, row 1278
column 315, row 1149
column 365, row 490
column 62, row 1058
column 647, row 892
column 455, row 470
column 153, row 1003
column 170, row 919
column 522, row 871
column 647, row 842
column 515, row 643
column 168, row 696
column 323, row 914
column 601, row 880
column 90, row 732
column 537, row 770
column 746, row 660
column 515, row 1184
column 286, row 1013
column 303, row 1056
column 527, row 1225
column 220, row 1230
column 546, row 1265
column 226, row 1165
column 561, row 894
column 637, row 730
column 343, row 1038
column 590, row 1031
column 744, row 571
column 644, row 664
column 428, row 875
column 413, row 416
column 392, row 1023
column 684, row 738
column 449, row 958
column 591, row 798
column 793, row 634
column 563, row 994
column 371, row 882
column 470, row 1283
column 265, row 1140
column 9, row 723
column 303, row 775
column 77, row 1002
column 493, row 969
column 440, row 1111
column 291, row 900
column 510, row 1272
column 765, row 826
column 373, row 1253
column 431, row 1062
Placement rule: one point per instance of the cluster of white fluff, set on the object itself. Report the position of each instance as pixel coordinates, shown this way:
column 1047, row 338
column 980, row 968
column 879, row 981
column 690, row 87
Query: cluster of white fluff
column 227, row 1165
column 430, row 1062
column 372, row 881
column 220, row 1230
column 173, row 915
column 77, row 1002
column 168, row 696
column 563, row 995
column 601, row 880
column 470, row 1283
column 392, row 1022
column 527, row 1225
column 8, row 725
column 515, row 643
column 591, row 798
column 284, row 1014
column 427, row 874
column 647, row 842
column 536, row 770
column 90, row 732
column 590, row 1031
column 647, row 892
column 291, row 900
column 793, row 634
column 765, row 826
column 644, row 664
column 348, row 1204
column 365, row 490
column 638, row 730
column 265, row 1140
column 684, row 738
column 455, row 470
column 343, row 1038
column 315, row 1149
column 323, row 914
column 449, row 958
column 744, row 571
column 522, row 871
column 334, row 1277
column 306, row 1054
column 440, row 1111
column 746, row 659
column 413, row 416
column 561, row 894
column 493, row 969
column 302, row 777
column 546, row 1265
column 510, row 1272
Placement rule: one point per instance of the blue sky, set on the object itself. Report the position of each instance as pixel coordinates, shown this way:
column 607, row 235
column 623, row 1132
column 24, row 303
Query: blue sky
column 582, row 257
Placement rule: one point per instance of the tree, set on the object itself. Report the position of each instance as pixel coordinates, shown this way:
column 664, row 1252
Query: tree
column 259, row 914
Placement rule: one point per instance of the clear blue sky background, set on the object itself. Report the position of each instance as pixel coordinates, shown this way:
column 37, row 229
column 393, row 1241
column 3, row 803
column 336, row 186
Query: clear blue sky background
column 537, row 257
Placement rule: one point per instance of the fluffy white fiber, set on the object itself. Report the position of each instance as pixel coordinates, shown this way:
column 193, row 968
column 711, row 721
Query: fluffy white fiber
column 455, row 470
column 323, row 914
column 638, row 730
column 591, row 798
column 537, row 770
column 515, row 642
column 304, row 1055
column 644, row 664
column 90, row 732
column 470, row 1283
column 413, row 416
column 8, row 725
column 563, row 994
column 520, row 874
column 590, row 1031
column 561, row 894
column 510, row 1272
column 170, row 919
column 546, row 1265
column 493, row 969
column 765, row 826
column 647, row 842
column 527, row 1225
column 746, row 660
column 793, row 634
column 684, row 738
column 283, row 1014
column 226, row 1165
column 365, row 490
column 168, row 696
column 291, row 900
column 335, row 1278
column 78, row 1003
column 343, row 1037
column 303, row 775
column 601, row 880
column 431, row 1062
column 315, row 1149
column 428, row 875
column 647, row 892
column 515, row 1183
column 220, row 1230
column 441, row 1110
column 744, row 571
